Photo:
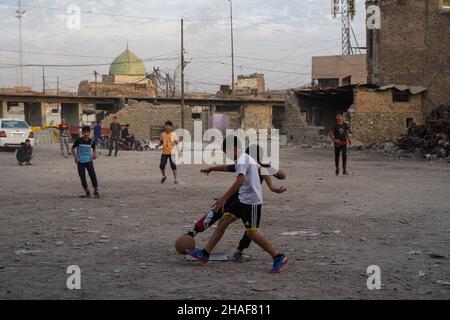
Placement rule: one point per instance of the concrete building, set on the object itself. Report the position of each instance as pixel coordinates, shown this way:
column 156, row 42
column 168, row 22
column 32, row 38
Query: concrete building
column 412, row 47
column 253, row 84
column 340, row 70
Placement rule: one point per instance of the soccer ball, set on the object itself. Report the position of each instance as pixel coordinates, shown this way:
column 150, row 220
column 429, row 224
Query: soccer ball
column 184, row 242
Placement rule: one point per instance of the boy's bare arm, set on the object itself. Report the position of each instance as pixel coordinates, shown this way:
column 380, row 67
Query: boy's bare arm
column 221, row 168
column 348, row 137
column 332, row 136
column 268, row 180
column 74, row 154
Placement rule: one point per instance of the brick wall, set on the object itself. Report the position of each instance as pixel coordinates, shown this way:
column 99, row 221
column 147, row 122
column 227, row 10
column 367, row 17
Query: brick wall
column 257, row 117
column 105, row 89
column 143, row 116
column 375, row 118
column 412, row 48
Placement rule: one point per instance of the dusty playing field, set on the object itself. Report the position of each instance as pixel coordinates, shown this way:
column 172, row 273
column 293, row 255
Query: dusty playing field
column 390, row 213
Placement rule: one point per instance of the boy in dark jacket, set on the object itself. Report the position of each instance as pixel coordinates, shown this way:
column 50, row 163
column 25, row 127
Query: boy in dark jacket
column 24, row 153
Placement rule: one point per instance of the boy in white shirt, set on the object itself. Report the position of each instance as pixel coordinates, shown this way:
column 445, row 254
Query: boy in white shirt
column 248, row 208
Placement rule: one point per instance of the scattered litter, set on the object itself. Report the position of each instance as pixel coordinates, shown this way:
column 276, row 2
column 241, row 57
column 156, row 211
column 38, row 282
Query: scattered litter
column 72, row 210
column 263, row 289
column 91, row 218
column 303, row 232
column 115, row 248
column 59, row 243
column 421, row 274
column 444, row 283
column 25, row 252
column 413, row 253
column 212, row 257
column 437, row 256
column 104, row 236
column 142, row 265
column 251, row 281
column 337, row 231
column 117, row 270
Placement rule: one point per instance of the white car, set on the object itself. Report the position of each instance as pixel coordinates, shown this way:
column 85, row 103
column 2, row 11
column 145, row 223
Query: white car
column 13, row 132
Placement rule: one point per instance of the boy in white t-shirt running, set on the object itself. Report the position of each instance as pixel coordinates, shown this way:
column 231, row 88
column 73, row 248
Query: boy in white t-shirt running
column 248, row 208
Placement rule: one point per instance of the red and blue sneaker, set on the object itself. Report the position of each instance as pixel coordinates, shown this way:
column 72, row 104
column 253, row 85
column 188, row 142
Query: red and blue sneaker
column 198, row 254
column 278, row 262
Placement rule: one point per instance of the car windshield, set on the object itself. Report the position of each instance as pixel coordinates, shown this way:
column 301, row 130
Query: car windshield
column 14, row 124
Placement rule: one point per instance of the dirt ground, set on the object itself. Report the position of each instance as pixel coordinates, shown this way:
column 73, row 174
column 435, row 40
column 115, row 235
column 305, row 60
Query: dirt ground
column 388, row 212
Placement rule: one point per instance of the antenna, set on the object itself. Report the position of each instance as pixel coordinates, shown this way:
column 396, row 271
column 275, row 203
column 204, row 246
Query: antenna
column 19, row 15
column 345, row 8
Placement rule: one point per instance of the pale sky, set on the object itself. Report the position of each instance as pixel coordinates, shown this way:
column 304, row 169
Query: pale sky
column 273, row 37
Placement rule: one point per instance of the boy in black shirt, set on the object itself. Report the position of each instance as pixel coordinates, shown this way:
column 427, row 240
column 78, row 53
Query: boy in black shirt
column 339, row 135
column 84, row 158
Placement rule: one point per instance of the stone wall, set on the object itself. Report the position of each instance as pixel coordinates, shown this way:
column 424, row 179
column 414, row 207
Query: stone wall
column 375, row 118
column 143, row 117
column 257, row 117
column 105, row 89
column 412, row 48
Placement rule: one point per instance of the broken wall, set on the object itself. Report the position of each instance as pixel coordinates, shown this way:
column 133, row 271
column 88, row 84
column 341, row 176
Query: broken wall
column 145, row 118
column 375, row 118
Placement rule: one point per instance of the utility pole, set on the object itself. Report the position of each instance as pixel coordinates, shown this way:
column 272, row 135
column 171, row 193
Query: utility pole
column 95, row 84
column 167, row 85
column 232, row 46
column 43, row 80
column 57, row 86
column 19, row 15
column 182, row 75
column 155, row 77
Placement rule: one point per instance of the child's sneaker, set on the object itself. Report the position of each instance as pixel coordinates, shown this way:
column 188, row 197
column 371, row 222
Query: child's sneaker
column 87, row 195
column 337, row 172
column 198, row 254
column 191, row 233
column 238, row 257
column 163, row 179
column 345, row 173
column 96, row 194
column 278, row 262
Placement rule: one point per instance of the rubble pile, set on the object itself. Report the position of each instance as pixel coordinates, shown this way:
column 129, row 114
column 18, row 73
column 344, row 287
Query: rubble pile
column 431, row 140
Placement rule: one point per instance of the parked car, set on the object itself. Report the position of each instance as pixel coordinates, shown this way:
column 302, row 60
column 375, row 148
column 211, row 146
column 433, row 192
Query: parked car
column 13, row 132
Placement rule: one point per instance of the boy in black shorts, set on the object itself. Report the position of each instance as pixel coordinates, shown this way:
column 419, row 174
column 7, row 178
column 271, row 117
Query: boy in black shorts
column 84, row 158
column 213, row 216
column 247, row 208
column 168, row 140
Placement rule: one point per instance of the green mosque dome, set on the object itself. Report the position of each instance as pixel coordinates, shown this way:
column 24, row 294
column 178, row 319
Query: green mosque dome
column 127, row 64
